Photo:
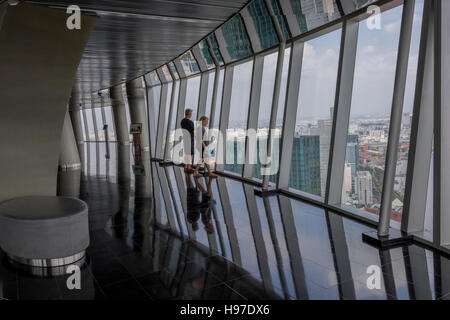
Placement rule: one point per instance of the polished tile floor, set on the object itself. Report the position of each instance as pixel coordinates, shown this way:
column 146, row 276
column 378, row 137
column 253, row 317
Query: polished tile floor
column 217, row 240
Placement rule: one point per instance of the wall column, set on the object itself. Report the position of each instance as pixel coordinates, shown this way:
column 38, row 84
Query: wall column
column 69, row 174
column 122, row 135
column 136, row 102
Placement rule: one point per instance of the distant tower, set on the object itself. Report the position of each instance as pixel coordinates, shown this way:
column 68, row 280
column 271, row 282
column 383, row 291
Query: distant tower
column 364, row 187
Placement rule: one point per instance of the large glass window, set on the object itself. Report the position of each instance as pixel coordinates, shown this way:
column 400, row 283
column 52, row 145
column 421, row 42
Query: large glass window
column 127, row 109
column 313, row 14
column 110, row 122
column 99, row 119
column 263, row 23
column 237, row 125
column 211, row 76
column 370, row 113
column 405, row 133
column 90, row 125
column 280, row 18
column 174, row 116
column 270, row 65
column 192, row 95
column 309, row 164
column 166, row 119
column 217, row 112
column 153, row 96
column 206, row 55
column 219, row 100
column 189, row 63
column 82, row 124
column 237, row 41
column 215, row 47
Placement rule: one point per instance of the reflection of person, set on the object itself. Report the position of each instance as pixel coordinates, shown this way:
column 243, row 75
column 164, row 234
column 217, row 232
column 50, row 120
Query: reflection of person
column 188, row 125
column 205, row 159
column 197, row 208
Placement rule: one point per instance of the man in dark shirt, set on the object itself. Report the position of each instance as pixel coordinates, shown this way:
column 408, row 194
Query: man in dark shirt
column 188, row 125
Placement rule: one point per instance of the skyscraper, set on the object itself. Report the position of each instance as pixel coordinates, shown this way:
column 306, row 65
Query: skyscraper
column 305, row 165
column 364, row 187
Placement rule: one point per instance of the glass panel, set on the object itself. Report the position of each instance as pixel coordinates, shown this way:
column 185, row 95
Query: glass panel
column 313, row 14
column 152, row 78
column 174, row 117
column 280, row 18
column 192, row 95
column 209, row 94
column 215, row 125
column 174, row 70
column 166, row 121
column 166, row 72
column 219, row 100
column 127, row 109
column 370, row 113
column 270, row 64
column 309, row 164
column 215, row 46
column 353, row 5
column 154, row 96
column 189, row 63
column 113, row 162
column 110, row 122
column 99, row 119
column 82, row 124
column 236, row 131
column 403, row 150
column 204, row 51
column 236, row 38
column 90, row 125
column 263, row 23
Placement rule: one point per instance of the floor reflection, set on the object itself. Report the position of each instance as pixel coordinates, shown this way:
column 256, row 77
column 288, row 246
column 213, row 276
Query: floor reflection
column 201, row 238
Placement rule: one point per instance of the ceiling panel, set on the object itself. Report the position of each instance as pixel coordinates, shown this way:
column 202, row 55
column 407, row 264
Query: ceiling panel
column 134, row 37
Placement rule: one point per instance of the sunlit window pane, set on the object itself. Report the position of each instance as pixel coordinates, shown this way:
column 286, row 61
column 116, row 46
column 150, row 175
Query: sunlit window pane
column 370, row 113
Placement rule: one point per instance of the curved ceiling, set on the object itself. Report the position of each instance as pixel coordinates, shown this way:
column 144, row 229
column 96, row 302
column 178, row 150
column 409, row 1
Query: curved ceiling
column 133, row 37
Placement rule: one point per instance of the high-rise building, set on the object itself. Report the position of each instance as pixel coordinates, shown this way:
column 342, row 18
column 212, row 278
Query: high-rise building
column 364, row 187
column 347, row 185
column 305, row 165
column 352, row 155
column 324, row 132
column 313, row 13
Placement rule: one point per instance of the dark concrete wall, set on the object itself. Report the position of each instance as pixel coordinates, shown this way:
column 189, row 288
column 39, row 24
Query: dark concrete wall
column 39, row 58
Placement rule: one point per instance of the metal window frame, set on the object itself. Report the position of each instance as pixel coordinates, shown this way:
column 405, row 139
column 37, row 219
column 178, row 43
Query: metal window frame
column 224, row 117
column 342, row 107
column 421, row 139
column 291, row 104
column 252, row 33
column 172, row 111
column 203, row 93
column 159, row 153
column 253, row 112
column 151, row 112
column 404, row 46
column 441, row 230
